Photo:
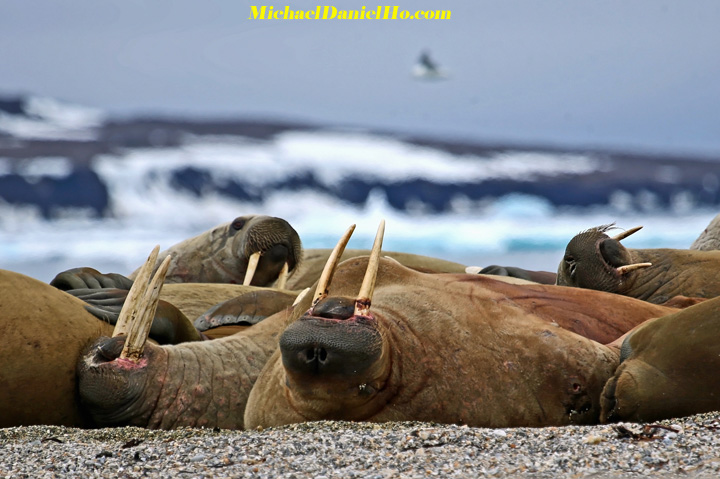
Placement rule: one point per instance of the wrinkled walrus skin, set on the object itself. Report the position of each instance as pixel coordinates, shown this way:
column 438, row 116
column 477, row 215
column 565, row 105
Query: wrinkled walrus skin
column 43, row 331
column 669, row 368
column 592, row 260
column 221, row 255
column 445, row 348
column 207, row 383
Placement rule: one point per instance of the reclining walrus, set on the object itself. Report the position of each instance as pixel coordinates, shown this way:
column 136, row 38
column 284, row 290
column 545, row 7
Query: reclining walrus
column 44, row 331
column 436, row 341
column 669, row 368
column 594, row 260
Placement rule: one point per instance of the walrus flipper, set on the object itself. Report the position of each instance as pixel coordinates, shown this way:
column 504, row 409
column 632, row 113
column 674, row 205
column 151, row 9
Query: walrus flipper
column 245, row 310
column 170, row 325
column 542, row 277
column 84, row 278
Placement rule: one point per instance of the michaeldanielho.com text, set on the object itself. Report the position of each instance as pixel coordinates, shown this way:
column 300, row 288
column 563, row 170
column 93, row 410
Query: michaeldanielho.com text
column 328, row 12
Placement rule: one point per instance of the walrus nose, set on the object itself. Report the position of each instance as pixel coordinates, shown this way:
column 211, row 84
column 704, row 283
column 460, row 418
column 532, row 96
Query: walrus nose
column 317, row 347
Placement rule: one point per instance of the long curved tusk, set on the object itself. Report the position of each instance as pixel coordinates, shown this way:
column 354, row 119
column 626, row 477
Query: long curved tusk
column 326, row 277
column 251, row 267
column 140, row 328
column 625, row 234
column 300, row 296
column 129, row 309
column 362, row 303
column 282, row 277
column 632, row 267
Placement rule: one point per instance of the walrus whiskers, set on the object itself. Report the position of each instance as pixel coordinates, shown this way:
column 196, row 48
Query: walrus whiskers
column 283, row 276
column 331, row 265
column 134, row 297
column 362, row 303
column 625, row 234
column 140, row 327
column 252, row 266
column 632, row 267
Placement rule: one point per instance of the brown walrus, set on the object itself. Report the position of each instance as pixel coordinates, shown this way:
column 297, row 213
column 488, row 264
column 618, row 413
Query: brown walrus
column 252, row 250
column 669, row 368
column 44, row 331
column 445, row 335
column 594, row 260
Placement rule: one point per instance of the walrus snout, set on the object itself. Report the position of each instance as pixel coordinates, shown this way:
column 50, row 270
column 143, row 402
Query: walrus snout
column 314, row 347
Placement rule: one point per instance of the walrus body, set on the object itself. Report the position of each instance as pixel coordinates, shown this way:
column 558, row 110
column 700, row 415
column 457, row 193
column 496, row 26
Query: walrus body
column 669, row 368
column 222, row 254
column 43, row 331
column 445, row 348
column 593, row 260
column 314, row 260
column 215, row 377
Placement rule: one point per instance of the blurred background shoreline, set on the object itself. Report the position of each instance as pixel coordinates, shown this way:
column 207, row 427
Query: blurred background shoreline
column 492, row 137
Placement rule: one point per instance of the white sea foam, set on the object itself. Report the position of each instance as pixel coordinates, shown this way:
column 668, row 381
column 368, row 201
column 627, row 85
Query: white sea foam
column 146, row 209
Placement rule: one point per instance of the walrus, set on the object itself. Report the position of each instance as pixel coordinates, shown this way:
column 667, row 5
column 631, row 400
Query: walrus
column 668, row 368
column 594, row 260
column 442, row 366
column 709, row 239
column 45, row 330
column 251, row 250
column 445, row 348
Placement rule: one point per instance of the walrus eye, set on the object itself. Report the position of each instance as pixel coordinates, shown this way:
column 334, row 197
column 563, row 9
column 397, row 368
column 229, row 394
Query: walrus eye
column 570, row 264
column 238, row 224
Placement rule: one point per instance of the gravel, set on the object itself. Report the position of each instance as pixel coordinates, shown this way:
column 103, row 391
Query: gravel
column 687, row 447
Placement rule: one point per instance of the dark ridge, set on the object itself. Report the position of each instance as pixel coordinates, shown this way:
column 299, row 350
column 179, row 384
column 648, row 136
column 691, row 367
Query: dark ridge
column 636, row 174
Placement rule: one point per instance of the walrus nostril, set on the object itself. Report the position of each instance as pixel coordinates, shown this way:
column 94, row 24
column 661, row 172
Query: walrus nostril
column 322, row 355
column 310, row 354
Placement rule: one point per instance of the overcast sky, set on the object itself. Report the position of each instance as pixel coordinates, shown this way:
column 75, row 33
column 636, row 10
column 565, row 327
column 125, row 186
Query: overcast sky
column 625, row 73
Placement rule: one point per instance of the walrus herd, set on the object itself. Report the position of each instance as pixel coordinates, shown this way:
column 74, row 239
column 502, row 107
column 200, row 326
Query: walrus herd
column 249, row 330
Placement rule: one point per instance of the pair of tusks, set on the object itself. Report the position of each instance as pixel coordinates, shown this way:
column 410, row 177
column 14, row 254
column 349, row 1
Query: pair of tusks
column 138, row 311
column 364, row 298
column 252, row 266
column 629, row 267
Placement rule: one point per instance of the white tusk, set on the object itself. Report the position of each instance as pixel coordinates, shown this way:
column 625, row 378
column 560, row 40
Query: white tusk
column 251, row 267
column 300, row 296
column 129, row 310
column 362, row 303
column 473, row 269
column 140, row 328
column 632, row 267
column 625, row 234
column 326, row 277
column 282, row 277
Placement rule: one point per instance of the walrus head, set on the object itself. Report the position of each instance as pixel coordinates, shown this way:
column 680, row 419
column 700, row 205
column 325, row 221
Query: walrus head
column 334, row 354
column 250, row 250
column 268, row 247
column 594, row 260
